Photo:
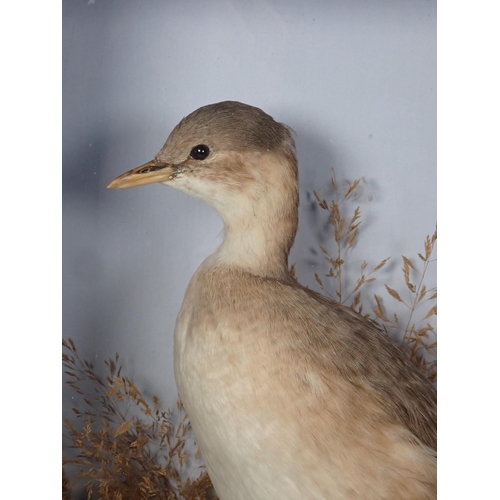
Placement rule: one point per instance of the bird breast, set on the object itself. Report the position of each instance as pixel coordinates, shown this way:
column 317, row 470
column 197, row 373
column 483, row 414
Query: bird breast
column 271, row 420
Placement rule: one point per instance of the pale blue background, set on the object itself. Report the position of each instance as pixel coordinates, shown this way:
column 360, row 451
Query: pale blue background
column 356, row 80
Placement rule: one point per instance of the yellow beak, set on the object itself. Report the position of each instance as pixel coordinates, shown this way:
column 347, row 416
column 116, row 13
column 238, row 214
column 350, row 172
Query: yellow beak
column 153, row 171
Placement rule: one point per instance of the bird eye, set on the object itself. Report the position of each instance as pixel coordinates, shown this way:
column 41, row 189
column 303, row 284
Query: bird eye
column 199, row 152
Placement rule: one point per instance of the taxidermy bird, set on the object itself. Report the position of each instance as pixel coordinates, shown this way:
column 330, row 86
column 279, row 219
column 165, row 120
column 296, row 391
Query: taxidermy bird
column 290, row 394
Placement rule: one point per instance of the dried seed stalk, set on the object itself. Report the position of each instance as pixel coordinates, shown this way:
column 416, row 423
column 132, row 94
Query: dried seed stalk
column 417, row 335
column 126, row 447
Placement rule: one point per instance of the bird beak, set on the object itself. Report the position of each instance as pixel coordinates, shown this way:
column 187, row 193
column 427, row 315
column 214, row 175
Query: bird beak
column 153, row 171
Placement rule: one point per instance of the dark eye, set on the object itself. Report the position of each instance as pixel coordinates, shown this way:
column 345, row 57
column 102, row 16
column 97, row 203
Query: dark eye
column 199, row 152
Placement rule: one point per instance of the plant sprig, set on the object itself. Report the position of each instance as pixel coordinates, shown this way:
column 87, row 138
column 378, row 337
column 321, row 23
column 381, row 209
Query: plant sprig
column 418, row 335
column 415, row 333
column 126, row 447
column 345, row 222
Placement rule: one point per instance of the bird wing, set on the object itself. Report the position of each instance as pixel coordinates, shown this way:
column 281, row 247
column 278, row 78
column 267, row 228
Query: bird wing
column 339, row 342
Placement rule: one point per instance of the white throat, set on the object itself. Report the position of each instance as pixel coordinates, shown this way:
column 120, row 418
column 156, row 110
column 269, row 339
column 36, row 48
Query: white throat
column 258, row 205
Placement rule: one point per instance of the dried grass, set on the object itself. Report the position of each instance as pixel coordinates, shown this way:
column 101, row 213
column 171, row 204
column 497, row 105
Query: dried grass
column 418, row 334
column 346, row 231
column 415, row 333
column 126, row 447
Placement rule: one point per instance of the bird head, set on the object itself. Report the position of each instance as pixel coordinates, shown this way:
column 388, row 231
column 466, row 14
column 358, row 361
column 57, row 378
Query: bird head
column 225, row 146
column 237, row 159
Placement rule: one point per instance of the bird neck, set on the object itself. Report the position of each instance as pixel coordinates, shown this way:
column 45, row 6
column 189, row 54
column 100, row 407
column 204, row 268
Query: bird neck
column 254, row 249
column 260, row 227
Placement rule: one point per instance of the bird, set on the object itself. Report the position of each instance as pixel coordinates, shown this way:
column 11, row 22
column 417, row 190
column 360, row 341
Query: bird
column 290, row 394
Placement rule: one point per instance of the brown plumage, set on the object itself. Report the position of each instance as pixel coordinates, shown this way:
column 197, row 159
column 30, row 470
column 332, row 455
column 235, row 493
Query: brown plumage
column 291, row 395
